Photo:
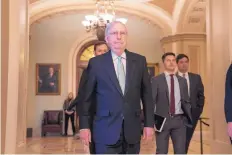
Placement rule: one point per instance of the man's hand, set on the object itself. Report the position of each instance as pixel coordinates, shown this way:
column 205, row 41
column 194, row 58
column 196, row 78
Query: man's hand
column 229, row 129
column 68, row 112
column 85, row 136
column 148, row 133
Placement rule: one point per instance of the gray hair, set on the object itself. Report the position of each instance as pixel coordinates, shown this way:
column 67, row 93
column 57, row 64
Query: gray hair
column 110, row 25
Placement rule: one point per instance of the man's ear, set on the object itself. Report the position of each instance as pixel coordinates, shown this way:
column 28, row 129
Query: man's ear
column 106, row 39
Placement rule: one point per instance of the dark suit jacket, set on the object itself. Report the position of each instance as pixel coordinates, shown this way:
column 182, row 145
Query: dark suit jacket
column 197, row 98
column 46, row 80
column 228, row 95
column 112, row 107
column 81, row 92
column 66, row 105
column 160, row 95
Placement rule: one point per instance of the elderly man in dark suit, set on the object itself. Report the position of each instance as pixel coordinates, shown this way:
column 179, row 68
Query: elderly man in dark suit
column 118, row 79
column 170, row 95
column 228, row 101
column 100, row 48
column 195, row 92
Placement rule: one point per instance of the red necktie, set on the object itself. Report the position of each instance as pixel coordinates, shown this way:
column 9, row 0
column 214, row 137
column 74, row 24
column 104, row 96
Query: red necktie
column 172, row 96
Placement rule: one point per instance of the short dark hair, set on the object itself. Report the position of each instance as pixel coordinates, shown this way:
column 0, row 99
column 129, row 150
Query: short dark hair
column 167, row 54
column 98, row 43
column 181, row 56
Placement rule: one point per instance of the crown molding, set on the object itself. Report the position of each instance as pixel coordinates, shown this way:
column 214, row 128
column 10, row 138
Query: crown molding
column 153, row 15
column 183, row 37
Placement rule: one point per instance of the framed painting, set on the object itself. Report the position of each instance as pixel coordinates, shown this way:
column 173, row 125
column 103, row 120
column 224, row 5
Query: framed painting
column 48, row 79
column 153, row 69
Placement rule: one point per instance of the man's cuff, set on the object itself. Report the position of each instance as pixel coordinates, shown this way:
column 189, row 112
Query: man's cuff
column 84, row 122
column 83, row 129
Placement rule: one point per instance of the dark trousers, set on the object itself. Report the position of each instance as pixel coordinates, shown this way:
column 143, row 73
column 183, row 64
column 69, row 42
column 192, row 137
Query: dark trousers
column 66, row 123
column 92, row 144
column 121, row 147
column 92, row 147
column 190, row 131
column 174, row 128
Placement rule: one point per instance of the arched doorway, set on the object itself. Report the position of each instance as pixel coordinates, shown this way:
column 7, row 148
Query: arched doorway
column 86, row 52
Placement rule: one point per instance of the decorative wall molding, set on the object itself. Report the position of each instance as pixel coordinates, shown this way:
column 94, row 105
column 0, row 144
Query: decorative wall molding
column 68, row 12
column 183, row 37
column 193, row 17
column 153, row 14
column 72, row 66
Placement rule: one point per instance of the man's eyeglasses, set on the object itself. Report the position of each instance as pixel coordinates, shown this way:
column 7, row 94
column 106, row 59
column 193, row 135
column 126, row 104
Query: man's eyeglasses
column 118, row 33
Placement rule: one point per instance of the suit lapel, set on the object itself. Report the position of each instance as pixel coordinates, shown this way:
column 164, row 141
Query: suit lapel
column 180, row 86
column 186, row 107
column 111, row 71
column 166, row 86
column 190, row 83
column 130, row 66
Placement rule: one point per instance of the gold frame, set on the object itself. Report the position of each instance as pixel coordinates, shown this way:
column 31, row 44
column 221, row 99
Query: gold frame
column 156, row 67
column 59, row 78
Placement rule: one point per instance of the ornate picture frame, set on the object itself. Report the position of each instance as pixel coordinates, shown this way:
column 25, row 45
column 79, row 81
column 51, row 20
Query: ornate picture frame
column 48, row 79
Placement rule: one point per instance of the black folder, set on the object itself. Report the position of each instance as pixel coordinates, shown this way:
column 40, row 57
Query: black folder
column 159, row 122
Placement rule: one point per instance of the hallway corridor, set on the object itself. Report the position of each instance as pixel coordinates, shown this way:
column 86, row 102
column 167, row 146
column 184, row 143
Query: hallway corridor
column 68, row 145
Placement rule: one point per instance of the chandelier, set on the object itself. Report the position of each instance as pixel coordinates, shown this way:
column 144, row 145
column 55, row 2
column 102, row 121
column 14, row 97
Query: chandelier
column 103, row 15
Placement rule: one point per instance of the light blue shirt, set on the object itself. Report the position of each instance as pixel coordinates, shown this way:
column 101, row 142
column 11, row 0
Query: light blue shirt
column 178, row 109
column 115, row 61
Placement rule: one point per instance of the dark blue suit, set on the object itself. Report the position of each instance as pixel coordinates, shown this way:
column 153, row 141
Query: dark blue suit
column 228, row 95
column 117, row 113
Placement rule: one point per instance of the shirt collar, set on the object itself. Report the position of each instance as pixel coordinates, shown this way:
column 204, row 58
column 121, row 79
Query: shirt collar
column 181, row 74
column 167, row 74
column 114, row 56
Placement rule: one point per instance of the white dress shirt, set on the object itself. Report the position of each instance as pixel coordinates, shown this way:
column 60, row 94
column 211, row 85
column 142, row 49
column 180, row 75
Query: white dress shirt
column 186, row 76
column 115, row 61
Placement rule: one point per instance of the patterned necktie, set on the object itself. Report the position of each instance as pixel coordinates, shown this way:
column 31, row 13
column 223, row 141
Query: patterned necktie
column 172, row 96
column 121, row 74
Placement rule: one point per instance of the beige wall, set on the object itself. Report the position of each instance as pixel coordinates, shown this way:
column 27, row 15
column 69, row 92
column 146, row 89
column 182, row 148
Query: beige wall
column 219, row 50
column 4, row 70
column 51, row 42
column 1, row 70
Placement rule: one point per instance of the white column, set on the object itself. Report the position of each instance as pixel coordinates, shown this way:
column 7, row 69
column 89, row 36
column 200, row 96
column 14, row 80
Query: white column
column 23, row 74
column 16, row 17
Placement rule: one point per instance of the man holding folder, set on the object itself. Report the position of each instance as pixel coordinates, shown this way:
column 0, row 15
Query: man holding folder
column 170, row 95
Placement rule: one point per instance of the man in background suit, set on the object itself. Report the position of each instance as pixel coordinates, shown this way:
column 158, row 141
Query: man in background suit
column 228, row 101
column 100, row 48
column 170, row 95
column 118, row 79
column 195, row 92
